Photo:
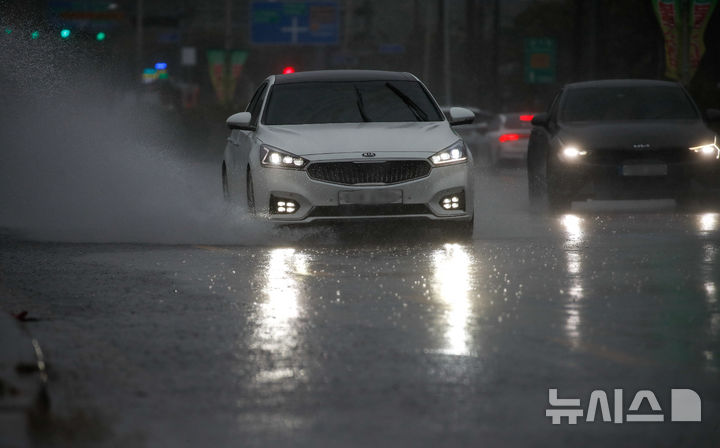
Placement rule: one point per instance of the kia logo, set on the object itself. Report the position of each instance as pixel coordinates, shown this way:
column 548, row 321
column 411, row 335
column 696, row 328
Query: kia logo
column 368, row 154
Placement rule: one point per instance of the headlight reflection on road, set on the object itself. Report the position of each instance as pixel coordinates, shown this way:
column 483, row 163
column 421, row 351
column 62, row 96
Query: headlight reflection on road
column 574, row 237
column 708, row 222
column 451, row 270
column 277, row 330
column 573, row 226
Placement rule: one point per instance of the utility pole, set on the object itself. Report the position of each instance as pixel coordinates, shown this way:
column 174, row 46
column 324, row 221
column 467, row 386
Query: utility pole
column 447, row 71
column 684, row 42
column 495, row 57
column 347, row 33
column 428, row 42
column 138, row 41
column 472, row 19
column 592, row 44
column 228, row 25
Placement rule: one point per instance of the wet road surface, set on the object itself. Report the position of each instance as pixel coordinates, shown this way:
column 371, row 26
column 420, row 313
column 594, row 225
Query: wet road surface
column 382, row 335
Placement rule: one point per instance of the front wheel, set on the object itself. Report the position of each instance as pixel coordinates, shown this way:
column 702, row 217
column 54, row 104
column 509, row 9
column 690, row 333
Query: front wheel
column 536, row 190
column 250, row 193
column 225, row 187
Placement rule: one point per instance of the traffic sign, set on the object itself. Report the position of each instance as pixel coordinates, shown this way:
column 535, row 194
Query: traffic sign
column 295, row 23
column 540, row 60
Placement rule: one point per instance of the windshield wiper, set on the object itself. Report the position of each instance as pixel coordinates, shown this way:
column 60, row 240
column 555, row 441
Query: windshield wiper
column 414, row 108
column 361, row 105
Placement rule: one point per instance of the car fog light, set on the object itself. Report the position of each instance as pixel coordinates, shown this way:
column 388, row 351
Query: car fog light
column 453, row 202
column 280, row 206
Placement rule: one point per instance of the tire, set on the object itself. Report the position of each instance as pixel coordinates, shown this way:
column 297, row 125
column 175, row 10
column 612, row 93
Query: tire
column 225, row 186
column 250, row 193
column 537, row 187
column 559, row 198
column 536, row 192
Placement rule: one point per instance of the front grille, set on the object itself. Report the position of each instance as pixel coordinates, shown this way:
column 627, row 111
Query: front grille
column 352, row 173
column 369, row 210
column 620, row 156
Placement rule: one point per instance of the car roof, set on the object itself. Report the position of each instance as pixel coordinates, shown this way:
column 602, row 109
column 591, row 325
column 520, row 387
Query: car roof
column 621, row 83
column 343, row 75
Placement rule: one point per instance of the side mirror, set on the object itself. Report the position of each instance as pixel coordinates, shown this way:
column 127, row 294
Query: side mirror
column 240, row 121
column 541, row 120
column 460, row 115
column 713, row 115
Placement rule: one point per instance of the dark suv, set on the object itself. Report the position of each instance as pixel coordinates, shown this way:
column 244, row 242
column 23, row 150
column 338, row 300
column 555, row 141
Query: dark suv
column 621, row 139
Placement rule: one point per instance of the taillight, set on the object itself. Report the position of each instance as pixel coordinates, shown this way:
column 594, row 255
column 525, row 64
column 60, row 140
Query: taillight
column 512, row 137
column 526, row 117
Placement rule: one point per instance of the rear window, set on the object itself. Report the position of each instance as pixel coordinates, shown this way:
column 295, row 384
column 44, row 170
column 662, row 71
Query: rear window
column 518, row 121
column 349, row 102
column 627, row 103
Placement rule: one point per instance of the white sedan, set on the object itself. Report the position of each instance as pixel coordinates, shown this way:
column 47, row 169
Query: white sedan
column 348, row 144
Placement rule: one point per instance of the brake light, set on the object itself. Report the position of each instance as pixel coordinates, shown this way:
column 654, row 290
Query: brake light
column 526, row 117
column 509, row 138
column 512, row 137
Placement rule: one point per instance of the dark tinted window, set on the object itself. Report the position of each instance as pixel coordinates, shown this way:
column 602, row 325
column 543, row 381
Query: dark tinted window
column 627, row 103
column 349, row 102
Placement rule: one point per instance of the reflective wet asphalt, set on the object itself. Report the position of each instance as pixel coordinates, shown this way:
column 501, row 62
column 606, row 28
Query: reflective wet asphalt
column 383, row 334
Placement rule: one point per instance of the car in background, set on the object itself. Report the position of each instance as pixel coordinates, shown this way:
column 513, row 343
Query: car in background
column 618, row 139
column 474, row 134
column 508, row 135
column 348, row 144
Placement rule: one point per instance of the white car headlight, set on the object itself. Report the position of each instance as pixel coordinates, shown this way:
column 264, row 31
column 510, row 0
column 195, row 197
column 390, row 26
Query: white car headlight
column 572, row 153
column 275, row 158
column 453, row 154
column 708, row 150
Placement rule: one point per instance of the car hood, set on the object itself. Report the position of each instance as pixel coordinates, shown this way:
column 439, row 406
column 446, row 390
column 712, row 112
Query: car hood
column 352, row 138
column 656, row 134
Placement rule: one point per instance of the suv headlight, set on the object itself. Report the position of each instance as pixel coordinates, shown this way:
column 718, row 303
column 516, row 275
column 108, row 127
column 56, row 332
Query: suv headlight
column 451, row 155
column 572, row 153
column 708, row 150
column 276, row 158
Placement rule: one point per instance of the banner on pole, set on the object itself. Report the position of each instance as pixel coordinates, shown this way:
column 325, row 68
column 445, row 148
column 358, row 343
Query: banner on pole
column 700, row 12
column 223, row 75
column 668, row 13
column 683, row 24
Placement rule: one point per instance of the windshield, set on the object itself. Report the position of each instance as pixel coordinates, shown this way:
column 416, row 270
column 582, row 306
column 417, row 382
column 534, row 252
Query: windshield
column 627, row 103
column 349, row 102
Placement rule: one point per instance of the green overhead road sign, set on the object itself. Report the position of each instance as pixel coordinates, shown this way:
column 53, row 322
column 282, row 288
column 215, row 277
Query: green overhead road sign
column 540, row 60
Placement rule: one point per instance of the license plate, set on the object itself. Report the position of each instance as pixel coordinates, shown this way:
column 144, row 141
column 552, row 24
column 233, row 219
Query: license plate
column 371, row 197
column 657, row 169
